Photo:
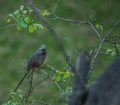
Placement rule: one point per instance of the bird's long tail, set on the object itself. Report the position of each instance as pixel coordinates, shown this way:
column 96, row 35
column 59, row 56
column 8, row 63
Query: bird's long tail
column 21, row 80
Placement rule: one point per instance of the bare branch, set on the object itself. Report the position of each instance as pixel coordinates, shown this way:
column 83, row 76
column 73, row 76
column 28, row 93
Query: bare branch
column 98, row 34
column 67, row 20
column 40, row 82
column 55, row 7
column 4, row 27
column 101, row 44
column 63, row 19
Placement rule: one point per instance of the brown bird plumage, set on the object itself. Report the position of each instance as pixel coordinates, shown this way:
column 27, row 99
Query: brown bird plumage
column 38, row 59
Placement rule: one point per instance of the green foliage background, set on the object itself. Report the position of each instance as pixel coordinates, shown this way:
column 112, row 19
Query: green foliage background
column 16, row 47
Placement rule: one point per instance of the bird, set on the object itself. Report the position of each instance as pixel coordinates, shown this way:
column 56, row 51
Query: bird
column 35, row 62
column 38, row 59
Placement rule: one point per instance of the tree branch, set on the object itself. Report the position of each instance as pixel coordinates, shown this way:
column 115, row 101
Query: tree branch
column 97, row 33
column 67, row 20
column 4, row 27
column 40, row 82
column 101, row 44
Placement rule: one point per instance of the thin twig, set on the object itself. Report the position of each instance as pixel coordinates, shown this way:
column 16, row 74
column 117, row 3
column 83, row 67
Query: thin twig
column 54, row 10
column 64, row 19
column 40, row 82
column 4, row 27
column 116, row 36
column 97, row 33
column 67, row 20
column 70, row 62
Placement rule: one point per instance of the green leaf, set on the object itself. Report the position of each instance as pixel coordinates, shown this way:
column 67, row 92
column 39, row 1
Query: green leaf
column 21, row 8
column 45, row 13
column 101, row 28
column 11, row 15
column 39, row 26
column 57, row 78
column 32, row 28
column 24, row 12
column 68, row 90
column 16, row 12
column 61, row 73
column 23, row 24
column 19, row 27
column 30, row 10
column 109, row 51
column 18, row 17
column 9, row 20
column 113, row 54
column 27, row 20
column 97, row 26
column 66, row 75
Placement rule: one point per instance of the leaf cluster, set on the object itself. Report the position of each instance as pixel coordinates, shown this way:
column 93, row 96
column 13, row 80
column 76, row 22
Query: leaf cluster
column 23, row 19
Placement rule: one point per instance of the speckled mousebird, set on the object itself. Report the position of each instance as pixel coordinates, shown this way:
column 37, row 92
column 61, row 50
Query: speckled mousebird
column 35, row 62
column 38, row 59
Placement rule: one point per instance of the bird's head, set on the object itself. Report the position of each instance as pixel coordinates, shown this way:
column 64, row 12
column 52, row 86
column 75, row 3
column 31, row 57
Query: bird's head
column 41, row 50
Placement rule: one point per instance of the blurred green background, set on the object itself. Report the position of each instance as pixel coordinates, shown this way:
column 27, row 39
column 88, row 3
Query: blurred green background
column 16, row 47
